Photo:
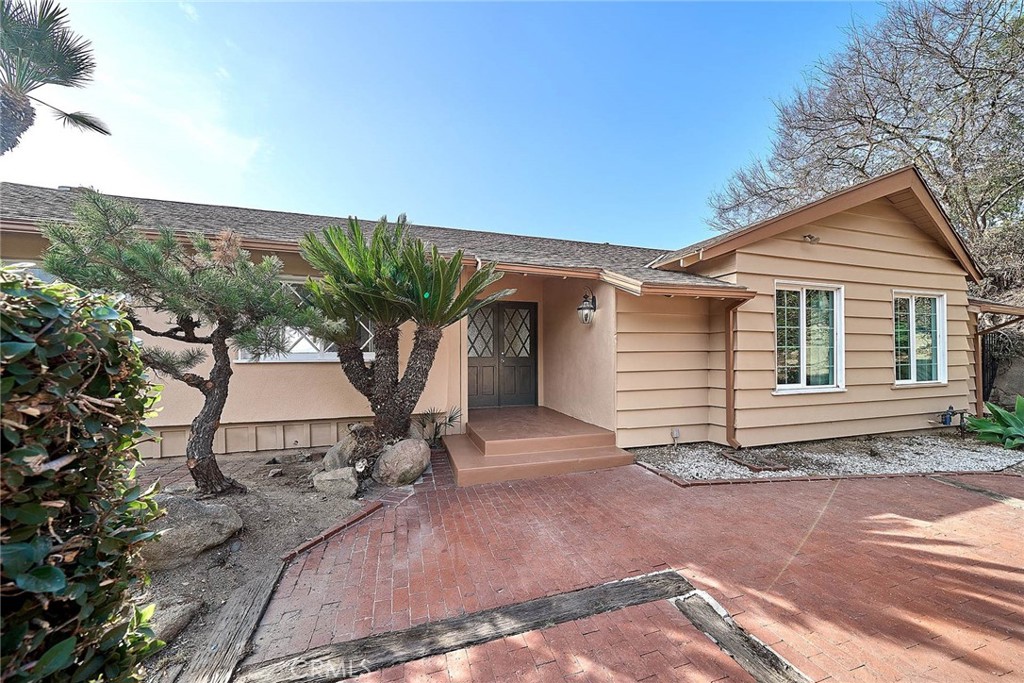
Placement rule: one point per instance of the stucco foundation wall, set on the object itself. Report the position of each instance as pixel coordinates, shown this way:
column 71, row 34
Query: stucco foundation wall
column 579, row 360
column 662, row 376
column 871, row 251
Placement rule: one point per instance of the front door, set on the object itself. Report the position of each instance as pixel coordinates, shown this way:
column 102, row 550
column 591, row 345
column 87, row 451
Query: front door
column 502, row 349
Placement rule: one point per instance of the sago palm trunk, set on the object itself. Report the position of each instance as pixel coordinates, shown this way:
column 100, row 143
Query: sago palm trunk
column 16, row 116
column 392, row 417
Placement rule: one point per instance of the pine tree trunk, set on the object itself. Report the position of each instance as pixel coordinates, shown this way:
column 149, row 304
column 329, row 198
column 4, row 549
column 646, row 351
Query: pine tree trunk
column 16, row 116
column 202, row 463
column 392, row 419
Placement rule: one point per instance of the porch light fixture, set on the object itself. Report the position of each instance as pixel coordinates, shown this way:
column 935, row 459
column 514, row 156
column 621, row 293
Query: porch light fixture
column 586, row 309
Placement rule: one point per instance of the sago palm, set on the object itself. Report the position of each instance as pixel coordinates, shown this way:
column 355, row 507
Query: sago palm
column 390, row 279
column 37, row 48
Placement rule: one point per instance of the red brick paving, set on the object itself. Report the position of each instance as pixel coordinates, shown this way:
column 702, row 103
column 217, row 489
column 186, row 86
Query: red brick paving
column 869, row 579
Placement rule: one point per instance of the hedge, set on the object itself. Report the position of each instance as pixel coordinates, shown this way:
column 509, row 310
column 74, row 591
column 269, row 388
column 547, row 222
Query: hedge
column 72, row 518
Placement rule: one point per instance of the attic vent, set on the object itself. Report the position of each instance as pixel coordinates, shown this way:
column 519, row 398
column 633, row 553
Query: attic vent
column 66, row 188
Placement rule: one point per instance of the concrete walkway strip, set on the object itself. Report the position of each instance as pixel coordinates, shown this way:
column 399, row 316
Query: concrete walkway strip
column 988, row 493
column 760, row 661
column 344, row 660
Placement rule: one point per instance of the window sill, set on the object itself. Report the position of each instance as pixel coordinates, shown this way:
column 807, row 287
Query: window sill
column 367, row 358
column 918, row 385
column 809, row 390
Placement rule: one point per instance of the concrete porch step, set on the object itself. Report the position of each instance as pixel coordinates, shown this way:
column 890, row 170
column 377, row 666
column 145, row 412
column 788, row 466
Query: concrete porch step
column 471, row 466
column 504, row 431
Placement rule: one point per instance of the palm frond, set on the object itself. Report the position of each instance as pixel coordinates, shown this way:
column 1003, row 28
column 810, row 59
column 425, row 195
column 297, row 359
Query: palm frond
column 78, row 119
column 39, row 48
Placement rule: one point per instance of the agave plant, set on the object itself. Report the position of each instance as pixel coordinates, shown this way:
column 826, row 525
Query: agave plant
column 1004, row 428
column 37, row 48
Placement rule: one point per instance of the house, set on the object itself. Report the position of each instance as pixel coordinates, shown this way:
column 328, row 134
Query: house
column 847, row 316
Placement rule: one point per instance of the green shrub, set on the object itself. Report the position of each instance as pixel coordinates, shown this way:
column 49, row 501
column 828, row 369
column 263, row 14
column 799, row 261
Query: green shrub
column 72, row 520
column 1004, row 428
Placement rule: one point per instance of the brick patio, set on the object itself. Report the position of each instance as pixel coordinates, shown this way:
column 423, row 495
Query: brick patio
column 863, row 579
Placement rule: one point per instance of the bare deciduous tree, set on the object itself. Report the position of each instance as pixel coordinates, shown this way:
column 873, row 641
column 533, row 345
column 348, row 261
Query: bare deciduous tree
column 935, row 84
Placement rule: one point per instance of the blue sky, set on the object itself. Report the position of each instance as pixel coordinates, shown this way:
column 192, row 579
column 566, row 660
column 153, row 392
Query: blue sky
column 606, row 122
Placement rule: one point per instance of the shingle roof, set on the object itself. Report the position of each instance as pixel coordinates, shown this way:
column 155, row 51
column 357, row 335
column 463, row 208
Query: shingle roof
column 27, row 202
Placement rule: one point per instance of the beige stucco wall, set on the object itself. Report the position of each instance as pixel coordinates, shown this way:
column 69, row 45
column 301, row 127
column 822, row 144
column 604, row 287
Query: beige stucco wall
column 579, row 360
column 662, row 377
column 274, row 404
column 870, row 251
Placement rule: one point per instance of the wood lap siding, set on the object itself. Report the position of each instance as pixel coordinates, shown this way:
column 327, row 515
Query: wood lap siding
column 870, row 251
column 662, row 369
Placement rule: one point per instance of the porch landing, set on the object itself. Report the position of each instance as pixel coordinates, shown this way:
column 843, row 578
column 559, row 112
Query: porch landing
column 503, row 444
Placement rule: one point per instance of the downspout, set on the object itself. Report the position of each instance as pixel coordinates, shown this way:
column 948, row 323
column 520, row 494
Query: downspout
column 730, row 374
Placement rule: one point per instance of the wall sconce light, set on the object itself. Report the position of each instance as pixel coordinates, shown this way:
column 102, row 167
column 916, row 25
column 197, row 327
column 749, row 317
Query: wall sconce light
column 812, row 239
column 586, row 309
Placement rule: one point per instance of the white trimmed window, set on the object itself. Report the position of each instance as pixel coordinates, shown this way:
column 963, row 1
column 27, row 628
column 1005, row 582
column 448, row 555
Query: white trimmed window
column 919, row 340
column 809, row 353
column 304, row 347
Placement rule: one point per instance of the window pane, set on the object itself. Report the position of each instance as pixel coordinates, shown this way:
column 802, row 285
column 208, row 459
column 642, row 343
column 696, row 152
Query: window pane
column 926, row 338
column 902, row 328
column 787, row 335
column 820, row 337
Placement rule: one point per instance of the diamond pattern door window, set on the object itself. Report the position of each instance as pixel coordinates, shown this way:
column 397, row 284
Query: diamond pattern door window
column 481, row 334
column 516, row 332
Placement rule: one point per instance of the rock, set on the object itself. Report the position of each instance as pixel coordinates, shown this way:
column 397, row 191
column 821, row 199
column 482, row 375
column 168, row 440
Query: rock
column 170, row 619
column 338, row 455
column 189, row 527
column 342, row 482
column 416, row 430
column 402, row 463
column 276, row 472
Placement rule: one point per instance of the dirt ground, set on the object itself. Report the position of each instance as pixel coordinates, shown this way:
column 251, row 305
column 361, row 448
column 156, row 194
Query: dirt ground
column 278, row 513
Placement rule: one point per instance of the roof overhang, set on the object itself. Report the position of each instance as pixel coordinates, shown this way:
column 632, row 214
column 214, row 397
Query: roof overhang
column 904, row 180
column 617, row 280
column 976, row 305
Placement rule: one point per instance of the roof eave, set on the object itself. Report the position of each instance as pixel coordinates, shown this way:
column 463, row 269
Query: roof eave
column 902, row 179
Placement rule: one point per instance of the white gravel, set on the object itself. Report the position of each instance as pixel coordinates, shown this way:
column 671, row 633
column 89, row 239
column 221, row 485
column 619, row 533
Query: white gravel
column 861, row 455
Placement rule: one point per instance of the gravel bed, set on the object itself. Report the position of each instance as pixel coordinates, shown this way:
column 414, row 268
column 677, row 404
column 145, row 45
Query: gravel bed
column 888, row 454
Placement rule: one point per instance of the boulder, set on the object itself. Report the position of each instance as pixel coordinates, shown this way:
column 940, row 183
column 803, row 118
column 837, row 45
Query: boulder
column 171, row 618
column 340, row 454
column 416, row 430
column 342, row 482
column 189, row 527
column 402, row 463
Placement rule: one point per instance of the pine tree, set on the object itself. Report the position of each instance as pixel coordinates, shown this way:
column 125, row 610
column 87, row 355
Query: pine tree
column 210, row 292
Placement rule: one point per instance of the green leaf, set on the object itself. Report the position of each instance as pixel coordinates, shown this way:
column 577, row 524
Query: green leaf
column 56, row 658
column 45, row 579
column 74, row 339
column 12, row 351
column 105, row 313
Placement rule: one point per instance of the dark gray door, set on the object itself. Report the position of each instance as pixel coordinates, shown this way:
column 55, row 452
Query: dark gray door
column 502, row 349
